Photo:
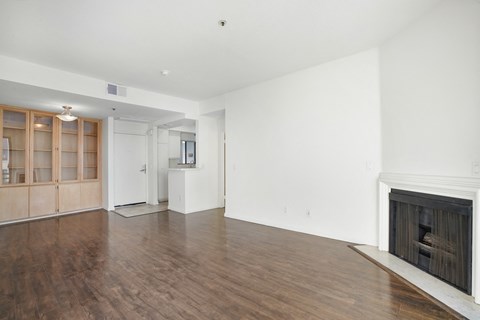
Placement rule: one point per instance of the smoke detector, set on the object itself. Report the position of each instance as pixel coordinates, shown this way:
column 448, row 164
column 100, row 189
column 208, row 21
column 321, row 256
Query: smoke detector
column 222, row 23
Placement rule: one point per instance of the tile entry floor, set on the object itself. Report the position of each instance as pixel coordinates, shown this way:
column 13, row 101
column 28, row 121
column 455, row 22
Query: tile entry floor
column 140, row 209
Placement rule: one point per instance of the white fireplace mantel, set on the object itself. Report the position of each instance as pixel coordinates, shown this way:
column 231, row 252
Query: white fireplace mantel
column 465, row 188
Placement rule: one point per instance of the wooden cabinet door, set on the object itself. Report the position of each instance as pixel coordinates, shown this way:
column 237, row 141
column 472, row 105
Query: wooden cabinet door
column 13, row 203
column 43, row 200
column 69, row 197
column 91, row 194
column 42, row 143
column 69, row 145
column 14, row 132
column 91, row 149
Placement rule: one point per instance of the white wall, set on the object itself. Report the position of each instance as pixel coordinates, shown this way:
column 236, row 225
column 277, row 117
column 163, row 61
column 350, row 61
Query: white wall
column 430, row 86
column 191, row 129
column 130, row 127
column 306, row 141
column 221, row 160
column 202, row 185
column 173, row 147
column 214, row 104
column 107, row 164
column 162, row 164
column 152, row 165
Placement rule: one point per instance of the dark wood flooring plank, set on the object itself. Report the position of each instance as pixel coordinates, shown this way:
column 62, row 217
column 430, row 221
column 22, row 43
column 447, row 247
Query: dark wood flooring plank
column 99, row 265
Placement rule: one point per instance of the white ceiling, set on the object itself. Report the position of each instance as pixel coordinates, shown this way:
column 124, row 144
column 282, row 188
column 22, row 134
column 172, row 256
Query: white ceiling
column 130, row 42
column 16, row 94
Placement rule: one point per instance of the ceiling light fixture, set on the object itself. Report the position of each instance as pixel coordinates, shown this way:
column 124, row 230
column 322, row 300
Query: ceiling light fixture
column 222, row 23
column 165, row 73
column 66, row 115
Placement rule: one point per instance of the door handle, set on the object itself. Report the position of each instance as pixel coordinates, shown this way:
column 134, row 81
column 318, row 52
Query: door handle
column 144, row 169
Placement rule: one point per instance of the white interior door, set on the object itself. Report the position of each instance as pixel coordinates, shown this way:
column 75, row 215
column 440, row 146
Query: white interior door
column 130, row 169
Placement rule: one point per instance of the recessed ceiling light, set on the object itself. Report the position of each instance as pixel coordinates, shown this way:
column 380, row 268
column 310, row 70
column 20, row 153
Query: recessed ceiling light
column 222, row 23
column 165, row 73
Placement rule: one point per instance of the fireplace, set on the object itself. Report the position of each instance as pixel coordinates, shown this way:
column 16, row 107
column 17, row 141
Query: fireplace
column 453, row 187
column 434, row 233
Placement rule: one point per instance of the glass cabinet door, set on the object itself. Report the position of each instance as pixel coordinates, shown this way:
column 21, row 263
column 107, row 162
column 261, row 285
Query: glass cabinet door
column 90, row 150
column 42, row 148
column 69, row 150
column 14, row 145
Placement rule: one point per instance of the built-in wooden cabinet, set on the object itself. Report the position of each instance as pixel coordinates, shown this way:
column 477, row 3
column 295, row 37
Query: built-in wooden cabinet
column 56, row 162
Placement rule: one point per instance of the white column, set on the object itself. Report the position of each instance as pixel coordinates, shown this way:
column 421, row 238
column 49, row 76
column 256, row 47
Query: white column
column 152, row 165
column 107, row 164
column 383, row 217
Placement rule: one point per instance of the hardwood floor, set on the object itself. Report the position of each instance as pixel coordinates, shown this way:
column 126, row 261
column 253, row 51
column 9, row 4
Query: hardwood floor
column 100, row 265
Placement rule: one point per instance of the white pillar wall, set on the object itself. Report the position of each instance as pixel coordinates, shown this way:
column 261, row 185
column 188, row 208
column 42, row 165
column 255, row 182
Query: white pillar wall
column 196, row 189
column 152, row 165
column 464, row 188
column 107, row 164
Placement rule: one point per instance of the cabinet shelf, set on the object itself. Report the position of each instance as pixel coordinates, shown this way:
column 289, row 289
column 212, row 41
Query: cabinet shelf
column 8, row 126
column 16, row 149
column 42, row 130
column 70, row 132
column 69, row 151
column 42, row 150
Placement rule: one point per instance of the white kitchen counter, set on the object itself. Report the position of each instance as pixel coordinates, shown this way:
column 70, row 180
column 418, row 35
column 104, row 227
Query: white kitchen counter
column 184, row 190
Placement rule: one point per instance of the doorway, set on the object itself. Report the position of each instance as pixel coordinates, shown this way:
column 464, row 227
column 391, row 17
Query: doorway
column 130, row 169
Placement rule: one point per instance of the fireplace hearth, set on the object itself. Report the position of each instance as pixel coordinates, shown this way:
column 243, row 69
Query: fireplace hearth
column 434, row 233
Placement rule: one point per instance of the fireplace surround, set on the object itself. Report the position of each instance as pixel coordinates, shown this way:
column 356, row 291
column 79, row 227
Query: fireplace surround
column 462, row 188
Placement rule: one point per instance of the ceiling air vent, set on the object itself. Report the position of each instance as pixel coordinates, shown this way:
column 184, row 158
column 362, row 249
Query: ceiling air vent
column 116, row 90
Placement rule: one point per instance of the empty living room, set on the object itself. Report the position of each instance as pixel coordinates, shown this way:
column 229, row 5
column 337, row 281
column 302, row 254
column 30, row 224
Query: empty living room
column 228, row 159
